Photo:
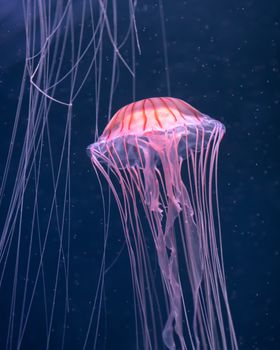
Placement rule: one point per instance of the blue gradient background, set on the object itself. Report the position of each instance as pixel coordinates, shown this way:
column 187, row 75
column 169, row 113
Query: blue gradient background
column 224, row 59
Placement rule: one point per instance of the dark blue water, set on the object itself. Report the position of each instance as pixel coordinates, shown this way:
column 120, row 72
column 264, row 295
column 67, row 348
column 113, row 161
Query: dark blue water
column 223, row 59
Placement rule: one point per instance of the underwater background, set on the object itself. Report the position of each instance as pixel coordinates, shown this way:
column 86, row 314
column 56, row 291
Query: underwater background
column 224, row 59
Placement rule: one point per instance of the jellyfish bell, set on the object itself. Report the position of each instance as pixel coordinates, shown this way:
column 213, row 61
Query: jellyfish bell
column 147, row 123
column 164, row 152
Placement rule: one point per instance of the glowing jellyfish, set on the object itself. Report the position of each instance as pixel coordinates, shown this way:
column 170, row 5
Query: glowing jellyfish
column 162, row 153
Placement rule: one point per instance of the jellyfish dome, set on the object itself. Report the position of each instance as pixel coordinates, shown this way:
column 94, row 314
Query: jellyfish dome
column 159, row 119
column 162, row 156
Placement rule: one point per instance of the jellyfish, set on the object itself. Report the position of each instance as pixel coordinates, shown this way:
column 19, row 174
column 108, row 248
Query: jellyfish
column 159, row 157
